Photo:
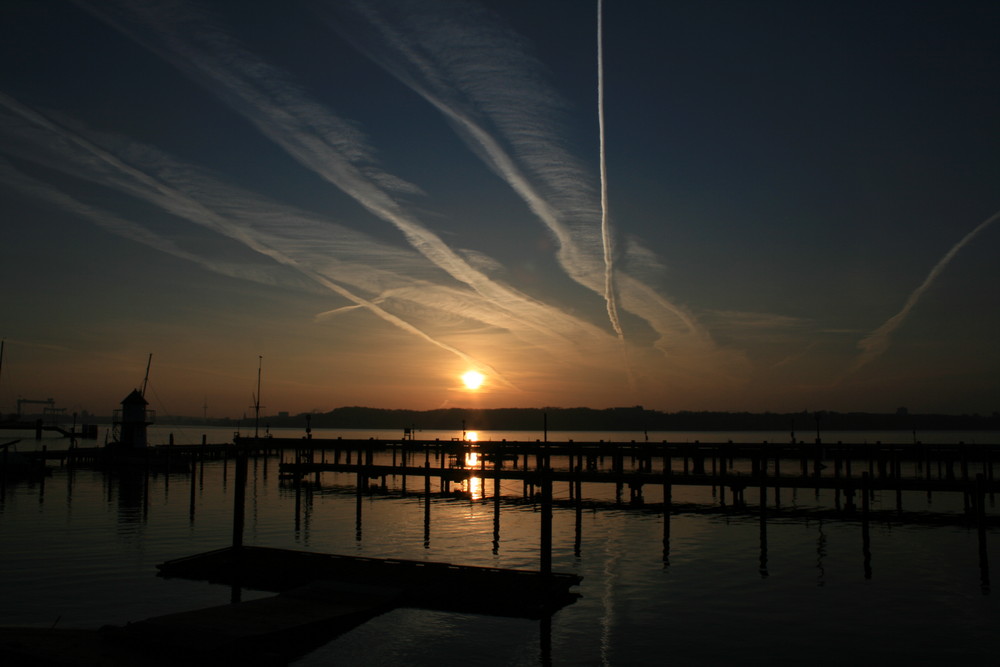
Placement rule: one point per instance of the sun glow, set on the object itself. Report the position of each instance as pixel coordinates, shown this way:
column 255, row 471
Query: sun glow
column 473, row 380
column 472, row 436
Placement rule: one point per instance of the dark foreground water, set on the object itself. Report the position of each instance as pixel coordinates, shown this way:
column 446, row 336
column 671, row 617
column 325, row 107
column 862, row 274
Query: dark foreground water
column 80, row 550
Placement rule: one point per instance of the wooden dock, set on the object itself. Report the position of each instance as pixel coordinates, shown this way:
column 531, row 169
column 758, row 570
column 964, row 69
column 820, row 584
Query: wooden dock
column 319, row 596
column 268, row 631
column 420, row 584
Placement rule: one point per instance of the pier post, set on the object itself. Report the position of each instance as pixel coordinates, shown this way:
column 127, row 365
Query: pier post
column 359, row 501
column 898, row 478
column 194, row 484
column 865, row 532
column 445, row 485
column 145, row 486
column 722, row 482
column 984, row 560
column 546, row 523
column 667, row 503
column 699, row 463
column 298, row 502
column 496, row 502
column 762, row 494
column 836, row 479
column 427, row 499
column 777, row 479
column 578, row 540
column 239, row 496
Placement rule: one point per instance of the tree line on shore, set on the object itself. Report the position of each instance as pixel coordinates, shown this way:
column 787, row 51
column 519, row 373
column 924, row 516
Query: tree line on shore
column 635, row 418
column 627, row 419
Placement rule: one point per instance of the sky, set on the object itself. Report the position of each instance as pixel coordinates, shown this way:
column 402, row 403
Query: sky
column 712, row 205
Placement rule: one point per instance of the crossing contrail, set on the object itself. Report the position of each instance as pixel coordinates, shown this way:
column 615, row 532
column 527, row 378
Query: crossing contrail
column 135, row 181
column 609, row 272
column 877, row 342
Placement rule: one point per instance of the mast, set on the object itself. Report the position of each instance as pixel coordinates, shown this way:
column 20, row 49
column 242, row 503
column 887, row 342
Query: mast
column 145, row 379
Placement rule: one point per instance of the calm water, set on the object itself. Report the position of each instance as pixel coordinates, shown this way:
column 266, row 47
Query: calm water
column 80, row 550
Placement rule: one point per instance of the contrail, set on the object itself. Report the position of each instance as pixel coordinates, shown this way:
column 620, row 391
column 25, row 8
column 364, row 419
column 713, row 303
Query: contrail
column 877, row 342
column 184, row 206
column 318, row 140
column 295, row 233
column 609, row 268
column 474, row 92
column 609, row 285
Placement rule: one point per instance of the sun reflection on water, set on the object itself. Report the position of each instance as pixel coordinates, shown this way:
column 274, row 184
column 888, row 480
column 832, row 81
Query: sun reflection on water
column 474, row 487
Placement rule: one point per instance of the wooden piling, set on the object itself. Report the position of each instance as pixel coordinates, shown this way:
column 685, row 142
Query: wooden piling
column 984, row 560
column 722, row 483
column 865, row 529
column 762, row 494
column 546, row 524
column 239, row 496
column 194, row 483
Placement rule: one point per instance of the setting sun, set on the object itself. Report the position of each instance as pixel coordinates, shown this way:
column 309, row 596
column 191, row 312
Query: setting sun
column 473, row 380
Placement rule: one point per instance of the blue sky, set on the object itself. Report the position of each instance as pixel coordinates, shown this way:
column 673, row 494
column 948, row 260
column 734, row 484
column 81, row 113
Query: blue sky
column 376, row 197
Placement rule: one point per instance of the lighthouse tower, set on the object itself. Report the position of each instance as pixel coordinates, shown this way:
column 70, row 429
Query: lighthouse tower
column 131, row 421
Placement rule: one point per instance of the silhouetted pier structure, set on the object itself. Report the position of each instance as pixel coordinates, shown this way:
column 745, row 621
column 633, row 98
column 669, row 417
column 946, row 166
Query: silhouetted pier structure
column 320, row 595
column 730, row 468
column 854, row 472
column 727, row 466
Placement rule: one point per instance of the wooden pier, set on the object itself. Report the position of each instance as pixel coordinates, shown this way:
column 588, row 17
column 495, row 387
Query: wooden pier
column 728, row 466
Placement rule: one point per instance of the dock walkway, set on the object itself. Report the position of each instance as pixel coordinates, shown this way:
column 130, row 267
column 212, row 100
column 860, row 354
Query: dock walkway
column 319, row 596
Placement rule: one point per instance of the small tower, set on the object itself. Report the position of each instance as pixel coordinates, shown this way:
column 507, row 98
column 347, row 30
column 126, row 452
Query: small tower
column 131, row 421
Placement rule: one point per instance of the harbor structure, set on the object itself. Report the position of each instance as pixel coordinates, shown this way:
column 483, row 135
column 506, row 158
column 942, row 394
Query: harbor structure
column 131, row 421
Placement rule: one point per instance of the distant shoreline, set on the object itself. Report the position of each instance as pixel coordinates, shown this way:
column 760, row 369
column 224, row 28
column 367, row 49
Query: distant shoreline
column 633, row 419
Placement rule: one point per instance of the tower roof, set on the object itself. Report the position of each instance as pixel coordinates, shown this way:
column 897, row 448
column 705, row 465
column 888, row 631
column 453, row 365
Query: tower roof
column 135, row 398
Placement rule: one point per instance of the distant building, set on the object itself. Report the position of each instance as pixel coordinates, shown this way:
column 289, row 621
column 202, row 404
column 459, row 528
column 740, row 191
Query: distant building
column 131, row 420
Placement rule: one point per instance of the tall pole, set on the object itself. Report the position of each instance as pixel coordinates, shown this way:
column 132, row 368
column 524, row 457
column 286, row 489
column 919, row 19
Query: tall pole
column 145, row 379
column 239, row 494
column 256, row 403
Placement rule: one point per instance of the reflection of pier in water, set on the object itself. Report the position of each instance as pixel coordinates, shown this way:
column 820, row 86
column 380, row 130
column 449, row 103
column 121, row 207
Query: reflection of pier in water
column 857, row 474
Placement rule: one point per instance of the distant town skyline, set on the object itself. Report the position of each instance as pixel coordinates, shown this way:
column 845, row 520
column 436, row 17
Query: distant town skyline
column 723, row 206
